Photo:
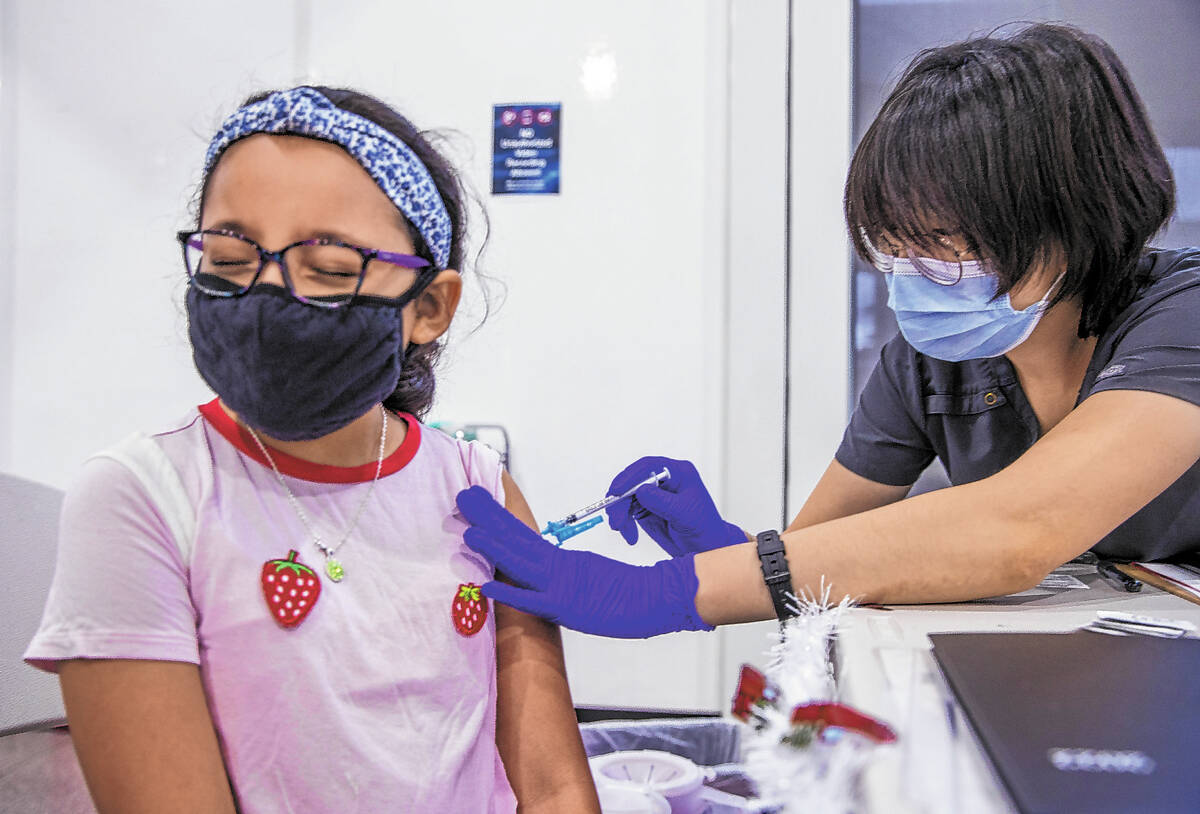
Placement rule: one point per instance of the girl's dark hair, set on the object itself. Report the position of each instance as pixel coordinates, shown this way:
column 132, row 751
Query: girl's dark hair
column 415, row 390
column 1030, row 147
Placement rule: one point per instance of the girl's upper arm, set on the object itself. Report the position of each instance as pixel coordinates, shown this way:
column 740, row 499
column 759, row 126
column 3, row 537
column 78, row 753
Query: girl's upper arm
column 536, row 729
column 120, row 630
column 515, row 502
column 840, row 493
column 144, row 736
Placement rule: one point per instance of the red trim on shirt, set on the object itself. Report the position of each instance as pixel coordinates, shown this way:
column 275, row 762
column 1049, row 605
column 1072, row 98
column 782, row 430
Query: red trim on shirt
column 235, row 434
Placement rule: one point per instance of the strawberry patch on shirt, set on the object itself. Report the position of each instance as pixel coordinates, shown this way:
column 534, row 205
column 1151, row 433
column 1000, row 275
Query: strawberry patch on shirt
column 290, row 588
column 469, row 610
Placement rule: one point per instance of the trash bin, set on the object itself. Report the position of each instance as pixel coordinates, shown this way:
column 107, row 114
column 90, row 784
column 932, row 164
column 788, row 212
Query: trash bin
column 713, row 744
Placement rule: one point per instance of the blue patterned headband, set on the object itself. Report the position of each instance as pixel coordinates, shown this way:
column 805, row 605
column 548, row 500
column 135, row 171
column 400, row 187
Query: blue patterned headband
column 391, row 163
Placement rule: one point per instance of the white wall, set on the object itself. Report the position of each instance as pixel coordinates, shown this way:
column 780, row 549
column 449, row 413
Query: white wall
column 819, row 297
column 110, row 134
column 644, row 310
column 9, row 66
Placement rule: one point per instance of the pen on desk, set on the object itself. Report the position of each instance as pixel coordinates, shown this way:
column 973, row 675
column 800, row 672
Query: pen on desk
column 1117, row 578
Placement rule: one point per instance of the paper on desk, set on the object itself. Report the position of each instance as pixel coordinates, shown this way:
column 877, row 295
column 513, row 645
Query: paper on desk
column 1181, row 577
column 1058, row 582
column 1054, row 581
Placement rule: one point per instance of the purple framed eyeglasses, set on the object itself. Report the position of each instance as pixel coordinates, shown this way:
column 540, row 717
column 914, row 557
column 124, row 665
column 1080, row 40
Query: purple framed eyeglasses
column 321, row 272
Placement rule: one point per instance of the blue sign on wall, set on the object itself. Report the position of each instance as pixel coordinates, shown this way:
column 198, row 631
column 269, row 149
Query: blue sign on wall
column 526, row 149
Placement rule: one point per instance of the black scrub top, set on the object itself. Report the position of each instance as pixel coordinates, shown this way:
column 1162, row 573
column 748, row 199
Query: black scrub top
column 974, row 416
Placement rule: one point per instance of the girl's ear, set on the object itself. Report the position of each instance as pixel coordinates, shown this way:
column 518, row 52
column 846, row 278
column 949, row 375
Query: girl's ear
column 436, row 306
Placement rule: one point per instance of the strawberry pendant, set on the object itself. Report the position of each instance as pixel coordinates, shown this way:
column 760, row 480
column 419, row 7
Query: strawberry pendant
column 470, row 609
column 291, row 589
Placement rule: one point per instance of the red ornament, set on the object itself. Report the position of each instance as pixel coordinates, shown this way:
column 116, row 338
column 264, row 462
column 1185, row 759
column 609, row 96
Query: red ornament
column 290, row 588
column 469, row 610
column 756, row 692
column 842, row 717
column 752, row 691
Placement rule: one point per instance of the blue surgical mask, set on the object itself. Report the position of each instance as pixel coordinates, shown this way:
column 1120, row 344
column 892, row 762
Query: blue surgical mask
column 962, row 321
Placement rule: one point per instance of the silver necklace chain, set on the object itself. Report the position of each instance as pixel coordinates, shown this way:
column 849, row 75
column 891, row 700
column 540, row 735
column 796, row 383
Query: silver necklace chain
column 332, row 567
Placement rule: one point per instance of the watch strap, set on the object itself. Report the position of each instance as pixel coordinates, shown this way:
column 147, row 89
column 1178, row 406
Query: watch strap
column 773, row 559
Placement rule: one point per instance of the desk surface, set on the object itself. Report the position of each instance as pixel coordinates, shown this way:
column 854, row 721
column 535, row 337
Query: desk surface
column 886, row 669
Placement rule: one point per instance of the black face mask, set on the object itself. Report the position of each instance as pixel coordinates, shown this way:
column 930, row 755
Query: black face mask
column 294, row 371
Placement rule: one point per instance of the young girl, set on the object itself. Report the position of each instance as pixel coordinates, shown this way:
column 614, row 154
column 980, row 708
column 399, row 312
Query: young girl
column 269, row 607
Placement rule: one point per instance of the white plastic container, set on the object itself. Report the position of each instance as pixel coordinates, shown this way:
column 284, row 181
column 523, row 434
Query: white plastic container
column 630, row 800
column 677, row 779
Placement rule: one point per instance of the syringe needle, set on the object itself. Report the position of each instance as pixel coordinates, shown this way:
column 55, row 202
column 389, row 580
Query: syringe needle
column 580, row 514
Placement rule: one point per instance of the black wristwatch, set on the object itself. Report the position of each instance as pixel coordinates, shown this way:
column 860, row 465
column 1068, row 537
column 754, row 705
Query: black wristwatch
column 773, row 559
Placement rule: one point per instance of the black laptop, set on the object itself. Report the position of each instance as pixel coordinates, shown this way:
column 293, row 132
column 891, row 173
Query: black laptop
column 1083, row 722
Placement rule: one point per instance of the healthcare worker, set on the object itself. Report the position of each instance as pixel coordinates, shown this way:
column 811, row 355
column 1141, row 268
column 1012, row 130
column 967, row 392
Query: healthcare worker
column 1007, row 190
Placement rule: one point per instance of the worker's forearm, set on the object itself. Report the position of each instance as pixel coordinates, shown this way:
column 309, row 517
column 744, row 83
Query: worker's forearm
column 1095, row 469
column 943, row 546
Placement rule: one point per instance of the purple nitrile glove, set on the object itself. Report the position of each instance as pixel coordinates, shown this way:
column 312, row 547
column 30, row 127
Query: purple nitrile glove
column 679, row 514
column 578, row 589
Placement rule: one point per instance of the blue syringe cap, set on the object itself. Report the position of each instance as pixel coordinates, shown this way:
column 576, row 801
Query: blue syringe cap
column 564, row 531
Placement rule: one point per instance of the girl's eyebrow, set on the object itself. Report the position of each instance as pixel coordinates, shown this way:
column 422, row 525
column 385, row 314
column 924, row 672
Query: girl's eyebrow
column 338, row 237
column 230, row 226
column 321, row 234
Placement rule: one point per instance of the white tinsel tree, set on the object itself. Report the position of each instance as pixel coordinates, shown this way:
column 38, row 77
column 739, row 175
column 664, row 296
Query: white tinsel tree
column 809, row 768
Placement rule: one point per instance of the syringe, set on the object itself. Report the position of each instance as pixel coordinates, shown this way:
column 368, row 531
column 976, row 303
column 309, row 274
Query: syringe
column 565, row 528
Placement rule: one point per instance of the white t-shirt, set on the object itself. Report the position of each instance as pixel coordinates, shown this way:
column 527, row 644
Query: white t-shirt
column 375, row 701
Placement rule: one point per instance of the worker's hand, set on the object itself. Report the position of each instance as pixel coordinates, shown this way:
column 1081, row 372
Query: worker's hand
column 679, row 515
column 578, row 589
